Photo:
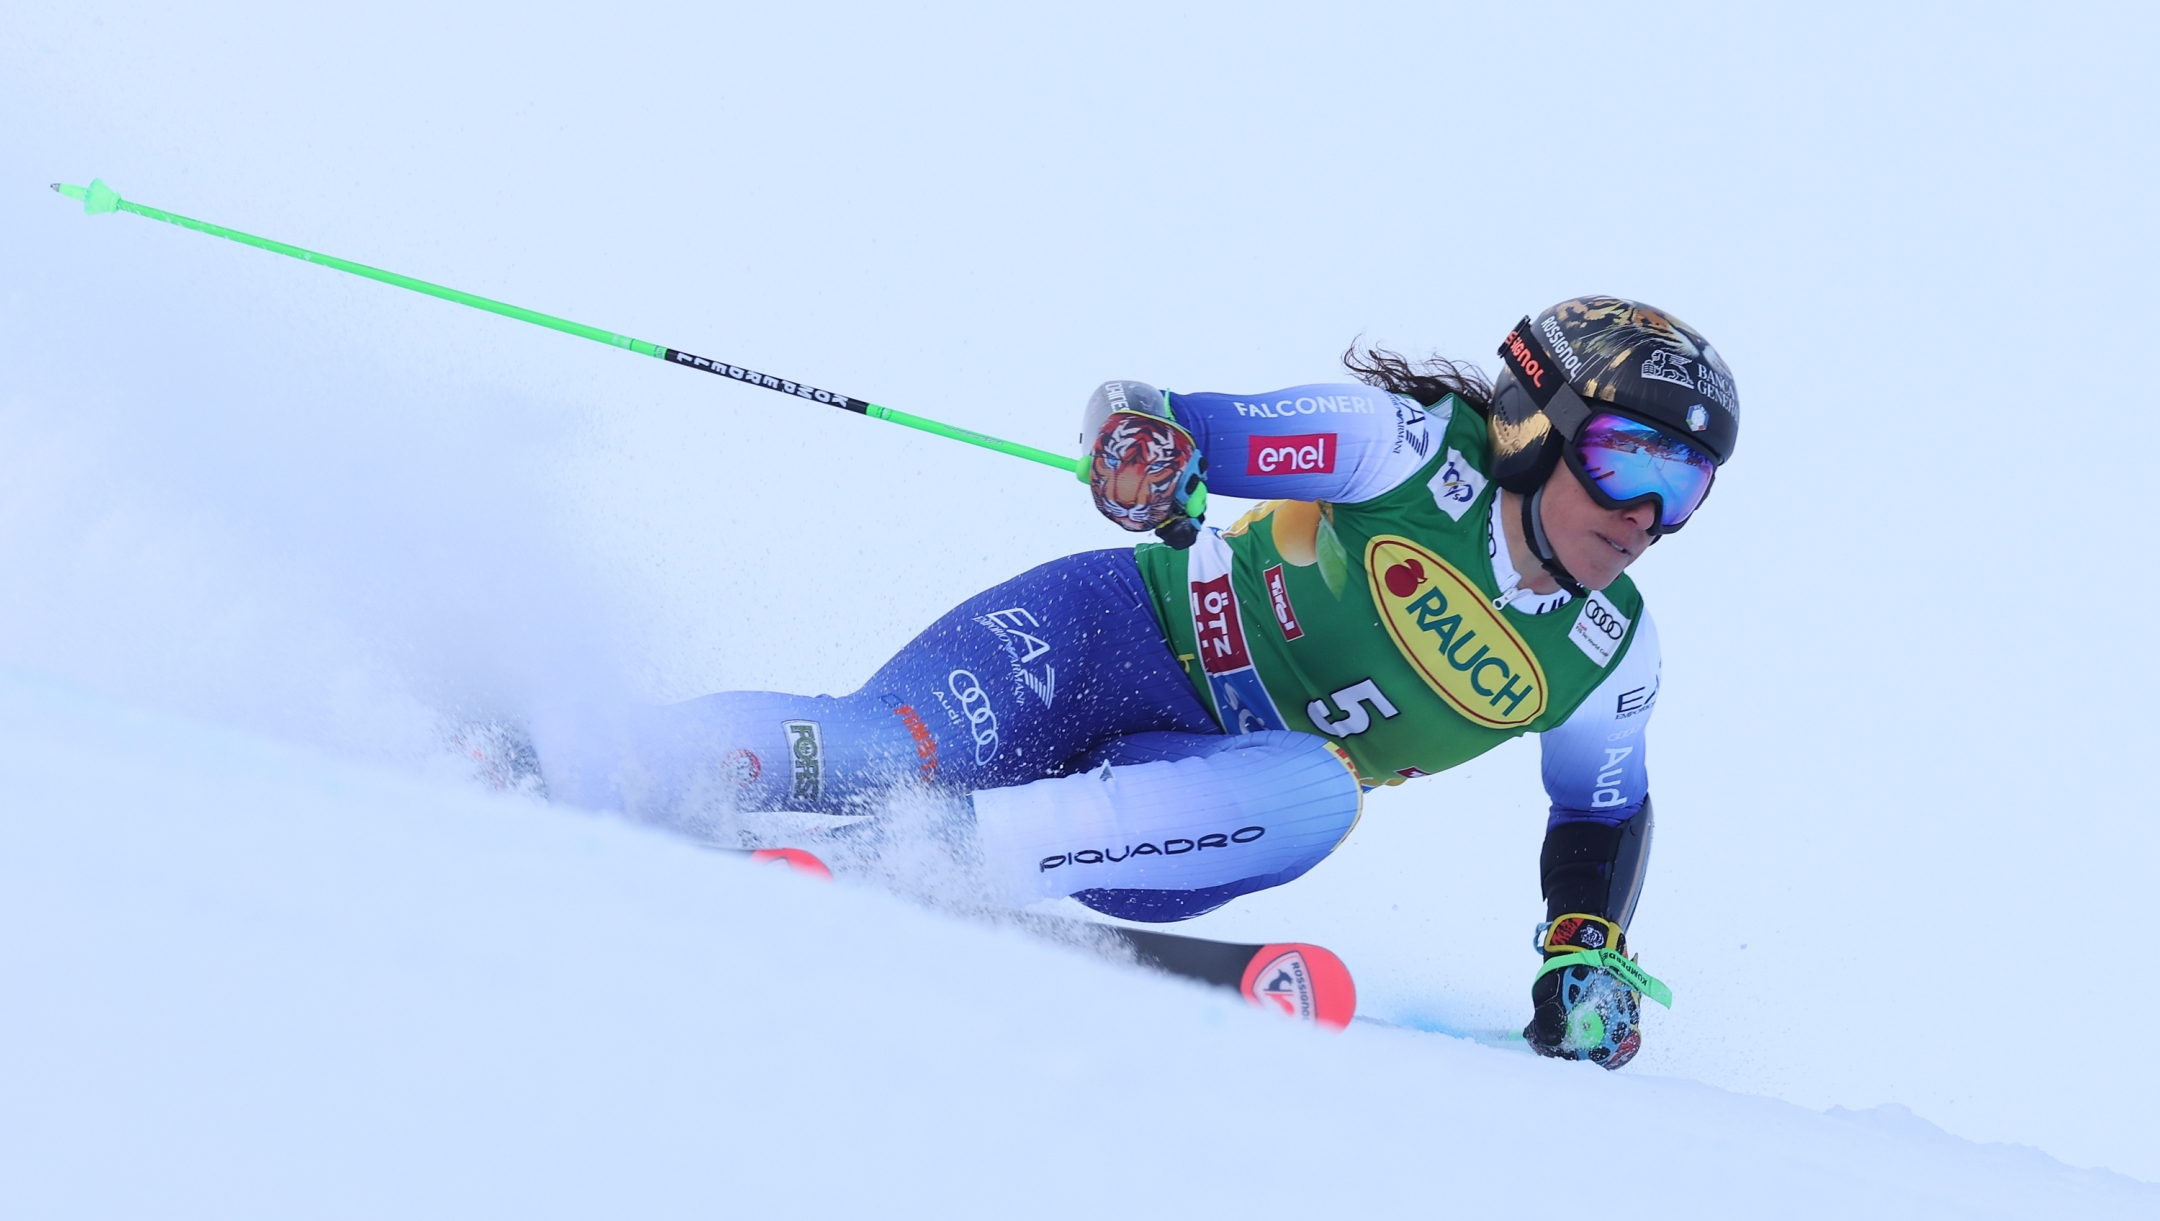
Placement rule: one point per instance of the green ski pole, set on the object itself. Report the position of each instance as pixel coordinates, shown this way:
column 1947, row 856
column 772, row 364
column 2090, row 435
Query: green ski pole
column 97, row 199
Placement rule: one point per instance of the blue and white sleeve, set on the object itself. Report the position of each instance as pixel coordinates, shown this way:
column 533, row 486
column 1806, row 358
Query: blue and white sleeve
column 1342, row 442
column 1593, row 762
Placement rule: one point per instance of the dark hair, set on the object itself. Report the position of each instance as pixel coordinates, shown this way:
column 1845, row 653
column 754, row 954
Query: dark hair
column 1427, row 381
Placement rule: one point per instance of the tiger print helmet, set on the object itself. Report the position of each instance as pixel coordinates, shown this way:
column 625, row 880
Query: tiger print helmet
column 1588, row 354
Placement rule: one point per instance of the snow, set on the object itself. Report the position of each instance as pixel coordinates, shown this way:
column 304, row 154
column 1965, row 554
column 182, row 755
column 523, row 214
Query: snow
column 248, row 978
column 266, row 530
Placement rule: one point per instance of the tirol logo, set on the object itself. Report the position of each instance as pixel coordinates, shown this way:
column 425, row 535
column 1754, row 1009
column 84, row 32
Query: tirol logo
column 1448, row 629
column 1285, row 983
column 1278, row 593
column 1215, row 622
column 806, row 755
column 1310, row 453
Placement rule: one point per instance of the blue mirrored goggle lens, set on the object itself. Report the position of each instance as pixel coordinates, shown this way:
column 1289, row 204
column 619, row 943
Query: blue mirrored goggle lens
column 1628, row 460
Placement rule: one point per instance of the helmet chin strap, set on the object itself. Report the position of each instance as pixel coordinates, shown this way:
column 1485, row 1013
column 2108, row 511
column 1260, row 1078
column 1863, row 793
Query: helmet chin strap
column 1533, row 528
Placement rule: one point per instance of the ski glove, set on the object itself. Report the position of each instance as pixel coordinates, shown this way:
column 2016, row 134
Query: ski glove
column 1587, row 999
column 1143, row 469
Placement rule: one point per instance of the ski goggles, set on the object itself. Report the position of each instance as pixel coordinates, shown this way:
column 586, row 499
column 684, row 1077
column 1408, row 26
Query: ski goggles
column 1620, row 460
column 1624, row 462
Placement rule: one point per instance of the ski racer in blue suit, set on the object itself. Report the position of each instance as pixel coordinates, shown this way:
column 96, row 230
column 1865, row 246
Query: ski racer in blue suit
column 1154, row 733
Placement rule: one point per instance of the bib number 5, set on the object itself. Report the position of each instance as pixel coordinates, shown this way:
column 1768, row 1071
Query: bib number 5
column 1352, row 700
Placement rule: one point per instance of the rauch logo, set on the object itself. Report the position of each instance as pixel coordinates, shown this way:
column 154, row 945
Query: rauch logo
column 1311, row 453
column 1448, row 630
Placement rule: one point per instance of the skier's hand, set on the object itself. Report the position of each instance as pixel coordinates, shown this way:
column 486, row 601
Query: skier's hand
column 1143, row 468
column 1587, row 1000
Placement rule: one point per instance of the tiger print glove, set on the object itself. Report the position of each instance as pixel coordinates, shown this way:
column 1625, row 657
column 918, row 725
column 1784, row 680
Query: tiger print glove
column 1143, row 469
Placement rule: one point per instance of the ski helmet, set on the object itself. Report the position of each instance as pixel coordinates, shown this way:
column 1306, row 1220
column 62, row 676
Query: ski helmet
column 1629, row 359
column 1605, row 353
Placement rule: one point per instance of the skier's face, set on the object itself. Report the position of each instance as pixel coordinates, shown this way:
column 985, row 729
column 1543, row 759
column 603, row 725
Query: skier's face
column 1593, row 542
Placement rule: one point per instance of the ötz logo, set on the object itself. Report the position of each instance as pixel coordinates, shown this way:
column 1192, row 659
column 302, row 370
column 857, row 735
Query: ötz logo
column 981, row 718
column 1311, row 453
column 1216, row 624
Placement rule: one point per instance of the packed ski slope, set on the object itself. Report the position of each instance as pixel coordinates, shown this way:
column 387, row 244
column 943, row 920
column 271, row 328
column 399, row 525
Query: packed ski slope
column 248, row 979
column 266, row 531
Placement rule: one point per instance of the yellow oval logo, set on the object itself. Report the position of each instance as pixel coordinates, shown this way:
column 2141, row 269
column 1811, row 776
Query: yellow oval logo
column 1450, row 632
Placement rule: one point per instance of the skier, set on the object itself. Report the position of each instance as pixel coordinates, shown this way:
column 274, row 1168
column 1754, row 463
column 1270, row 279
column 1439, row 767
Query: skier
column 1437, row 568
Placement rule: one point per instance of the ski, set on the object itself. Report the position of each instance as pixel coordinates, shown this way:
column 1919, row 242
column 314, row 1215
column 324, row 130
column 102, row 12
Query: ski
column 1298, row 980
column 1302, row 981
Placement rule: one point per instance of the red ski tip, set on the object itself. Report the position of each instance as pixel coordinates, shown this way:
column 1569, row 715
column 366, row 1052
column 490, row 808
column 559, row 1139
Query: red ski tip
column 1304, row 981
column 798, row 861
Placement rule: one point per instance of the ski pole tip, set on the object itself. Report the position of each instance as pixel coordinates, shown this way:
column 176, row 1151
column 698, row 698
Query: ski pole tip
column 97, row 198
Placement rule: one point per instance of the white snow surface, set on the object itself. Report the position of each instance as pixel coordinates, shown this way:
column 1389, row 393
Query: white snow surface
column 247, row 978
column 266, row 531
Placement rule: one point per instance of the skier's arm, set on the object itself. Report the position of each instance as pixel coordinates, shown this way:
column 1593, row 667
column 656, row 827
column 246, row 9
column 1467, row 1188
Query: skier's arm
column 1585, row 1001
column 1597, row 839
column 1341, row 442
